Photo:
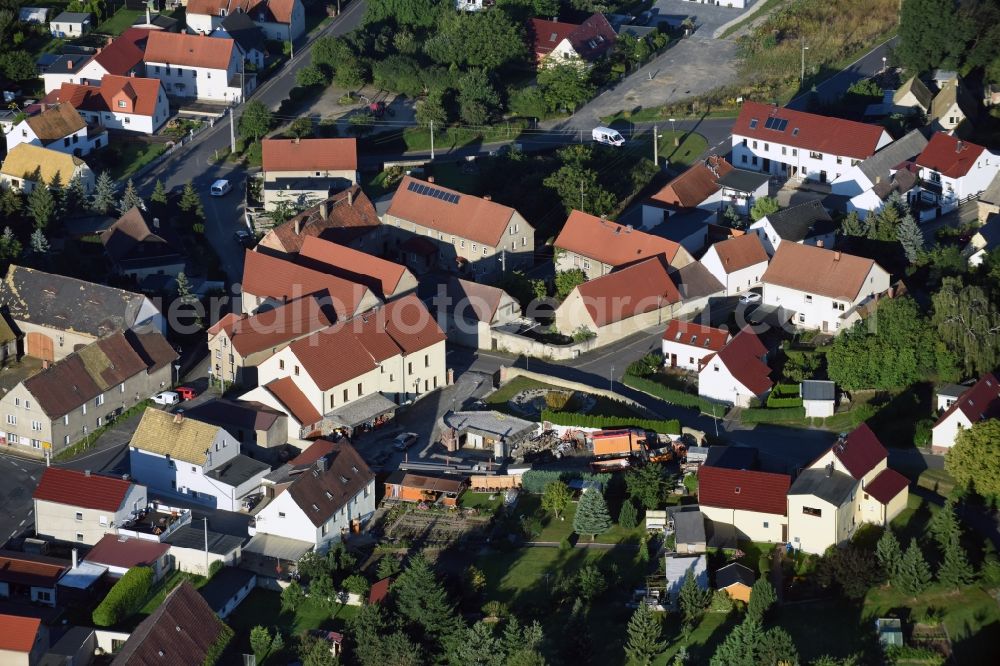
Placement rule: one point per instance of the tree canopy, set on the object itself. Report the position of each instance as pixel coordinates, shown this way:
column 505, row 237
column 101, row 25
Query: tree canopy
column 974, row 461
column 592, row 517
column 966, row 319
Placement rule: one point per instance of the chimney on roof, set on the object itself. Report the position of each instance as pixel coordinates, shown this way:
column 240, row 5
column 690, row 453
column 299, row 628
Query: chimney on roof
column 147, row 15
column 836, row 255
column 350, row 197
column 298, row 221
column 75, row 555
column 487, row 197
column 829, row 470
column 178, row 417
column 322, row 464
column 297, row 139
column 819, row 242
column 69, row 64
column 959, row 146
column 430, row 179
column 156, row 223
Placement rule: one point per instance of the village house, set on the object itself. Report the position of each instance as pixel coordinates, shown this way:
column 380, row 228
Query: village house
column 269, row 282
column 469, row 312
column 738, row 373
column 820, row 288
column 597, row 246
column 237, row 344
column 984, row 241
column 302, row 418
column 686, row 344
column 58, row 128
column 914, row 96
column 28, row 166
column 197, row 66
column 184, row 457
column 434, row 226
column 556, row 43
column 951, row 171
column 59, row 315
column 323, row 503
column 733, row 491
column 69, row 25
column 187, row 548
column 953, row 109
column 138, row 251
column 441, row 489
column 738, row 263
column 805, row 146
column 248, row 36
column 868, row 184
column 819, row 397
column 735, row 580
column 676, row 570
column 25, row 577
column 122, row 57
column 260, row 430
column 119, row 553
column 302, row 172
column 613, row 306
column 806, row 223
column 82, row 507
column 989, row 199
column 281, row 20
column 976, row 403
column 346, row 218
column 485, row 430
column 84, row 391
column 23, row 640
column 130, row 104
column 386, row 279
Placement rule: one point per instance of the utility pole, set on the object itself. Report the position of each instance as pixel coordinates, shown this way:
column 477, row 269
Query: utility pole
column 206, row 546
column 656, row 145
column 232, row 129
column 432, row 140
column 581, row 195
column 805, row 48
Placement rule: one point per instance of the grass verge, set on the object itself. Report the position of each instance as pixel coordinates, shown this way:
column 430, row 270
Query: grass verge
column 119, row 22
column 134, row 156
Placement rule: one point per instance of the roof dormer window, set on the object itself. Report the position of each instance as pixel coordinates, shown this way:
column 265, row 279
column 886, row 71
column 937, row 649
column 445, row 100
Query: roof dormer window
column 736, row 490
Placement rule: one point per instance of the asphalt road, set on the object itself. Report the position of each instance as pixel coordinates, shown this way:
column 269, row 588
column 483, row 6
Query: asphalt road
column 867, row 65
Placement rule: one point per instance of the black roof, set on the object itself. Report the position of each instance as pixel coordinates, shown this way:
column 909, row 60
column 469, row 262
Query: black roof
column 68, row 62
column 247, row 34
column 734, row 573
column 814, row 389
column 239, row 470
column 802, row 221
column 193, row 537
column 732, row 457
column 224, row 586
column 743, row 181
column 827, row 484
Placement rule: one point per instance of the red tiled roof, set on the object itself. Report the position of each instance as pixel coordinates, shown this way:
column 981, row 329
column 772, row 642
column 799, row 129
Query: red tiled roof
column 744, row 489
column 471, row 217
column 79, row 489
column 860, row 451
column 639, row 288
column 275, row 327
column 341, row 342
column 817, row 270
column 141, row 92
column 740, row 252
column 590, row 39
column 548, row 34
column 695, row 185
column 124, row 53
column 695, row 335
column 18, row 633
column 314, row 452
column 949, row 155
column 887, row 485
column 979, row 402
column 175, row 48
column 379, row 591
column 309, row 154
column 278, row 10
column 609, row 242
column 809, row 131
column 741, row 357
column 27, row 569
column 112, row 551
column 342, row 218
column 379, row 275
column 294, row 400
column 411, row 324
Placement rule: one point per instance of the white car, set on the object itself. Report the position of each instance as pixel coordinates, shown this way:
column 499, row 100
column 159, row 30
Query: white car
column 167, row 398
column 608, row 136
column 750, row 297
column 220, row 187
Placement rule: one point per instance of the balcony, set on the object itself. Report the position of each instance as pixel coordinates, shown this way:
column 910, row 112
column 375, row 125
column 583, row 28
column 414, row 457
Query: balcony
column 154, row 523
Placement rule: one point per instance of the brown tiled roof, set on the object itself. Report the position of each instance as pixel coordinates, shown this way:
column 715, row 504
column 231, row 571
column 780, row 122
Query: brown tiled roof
column 471, row 217
column 742, row 355
column 152, row 348
column 887, row 485
column 949, row 155
column 630, row 291
column 981, row 401
column 278, row 10
column 18, row 633
column 689, row 333
column 27, row 569
column 236, row 413
column 273, row 328
column 339, row 342
column 81, row 489
column 342, row 218
column 125, row 52
column 609, row 242
column 860, row 451
column 481, row 299
column 744, row 489
column 816, row 270
column 320, row 494
column 297, row 404
column 695, row 185
column 740, row 252
column 809, row 131
column 131, row 237
column 174, row 48
column 85, row 374
column 182, row 630
column 142, row 93
column 309, row 154
column 379, row 275
column 120, row 551
column 283, row 280
column 55, row 123
column 411, row 324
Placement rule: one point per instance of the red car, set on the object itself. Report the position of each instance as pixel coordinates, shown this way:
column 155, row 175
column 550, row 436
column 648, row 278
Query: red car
column 186, row 392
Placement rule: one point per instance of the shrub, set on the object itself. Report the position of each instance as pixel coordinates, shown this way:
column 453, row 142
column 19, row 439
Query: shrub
column 535, row 480
column 721, row 602
column 125, row 597
column 356, row 584
column 596, row 421
column 674, row 396
column 777, row 402
column 215, row 567
column 557, row 400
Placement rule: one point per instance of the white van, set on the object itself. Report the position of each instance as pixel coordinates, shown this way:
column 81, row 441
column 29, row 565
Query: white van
column 220, row 187
column 608, row 136
column 167, row 398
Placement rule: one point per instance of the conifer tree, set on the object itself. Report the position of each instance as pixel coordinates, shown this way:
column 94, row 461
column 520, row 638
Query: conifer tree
column 643, row 643
column 592, row 517
column 104, row 194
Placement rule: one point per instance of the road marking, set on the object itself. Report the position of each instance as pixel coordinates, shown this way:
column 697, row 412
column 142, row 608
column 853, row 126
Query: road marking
column 21, row 524
column 13, row 534
column 31, row 476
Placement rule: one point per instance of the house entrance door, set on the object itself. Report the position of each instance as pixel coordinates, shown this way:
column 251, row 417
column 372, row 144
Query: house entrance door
column 767, row 165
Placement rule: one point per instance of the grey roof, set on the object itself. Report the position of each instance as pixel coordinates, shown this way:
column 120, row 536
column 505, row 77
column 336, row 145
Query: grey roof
column 67, row 63
column 365, row 409
column 278, row 547
column 193, row 537
column 72, row 17
column 490, row 423
column 802, row 221
column 239, row 470
column 235, row 414
column 225, row 585
column 66, row 303
column 676, row 568
column 78, row 640
column 247, row 34
column 992, row 192
column 743, row 181
column 734, row 573
column 689, row 526
column 682, row 224
column 878, row 165
column 919, row 90
column 990, row 231
column 161, row 21
column 828, row 485
column 815, row 389
column 695, row 281
column 951, row 390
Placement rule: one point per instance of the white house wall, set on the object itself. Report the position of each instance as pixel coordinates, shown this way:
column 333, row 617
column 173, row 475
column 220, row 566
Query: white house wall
column 819, row 312
column 752, row 525
column 716, row 382
column 784, row 160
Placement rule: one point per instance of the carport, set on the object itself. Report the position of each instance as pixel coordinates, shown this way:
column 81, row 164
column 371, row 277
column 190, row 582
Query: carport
column 368, row 413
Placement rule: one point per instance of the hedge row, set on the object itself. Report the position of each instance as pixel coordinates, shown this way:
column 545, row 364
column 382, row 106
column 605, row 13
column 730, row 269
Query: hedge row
column 573, row 419
column 673, row 396
column 786, row 390
column 766, row 415
column 125, row 597
column 535, row 480
column 777, row 402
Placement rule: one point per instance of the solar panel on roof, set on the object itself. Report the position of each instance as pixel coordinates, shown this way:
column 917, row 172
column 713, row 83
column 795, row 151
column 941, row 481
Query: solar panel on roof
column 412, row 187
column 781, row 125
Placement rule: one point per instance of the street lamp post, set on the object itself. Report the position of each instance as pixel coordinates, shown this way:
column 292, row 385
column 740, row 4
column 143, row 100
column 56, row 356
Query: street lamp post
column 177, row 374
column 673, row 131
column 802, row 76
column 883, row 64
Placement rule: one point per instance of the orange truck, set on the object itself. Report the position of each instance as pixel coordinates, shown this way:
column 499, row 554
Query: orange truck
column 617, row 442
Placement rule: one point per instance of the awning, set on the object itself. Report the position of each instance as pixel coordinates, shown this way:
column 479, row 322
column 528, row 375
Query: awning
column 278, row 547
column 362, row 411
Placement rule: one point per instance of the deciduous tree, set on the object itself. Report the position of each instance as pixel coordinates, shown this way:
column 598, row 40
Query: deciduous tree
column 556, row 498
column 256, row 120
column 929, row 35
column 974, row 461
column 645, row 485
column 478, row 100
column 567, row 281
column 967, row 321
column 762, row 207
column 565, row 86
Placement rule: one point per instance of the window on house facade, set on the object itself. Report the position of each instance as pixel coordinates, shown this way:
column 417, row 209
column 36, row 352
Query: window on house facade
column 281, row 364
column 11, row 419
column 36, row 426
column 816, row 156
column 346, row 398
column 79, row 537
column 79, row 515
column 808, row 298
column 99, row 401
column 359, row 389
column 409, row 367
column 809, row 511
column 296, row 371
column 17, row 402
column 65, row 419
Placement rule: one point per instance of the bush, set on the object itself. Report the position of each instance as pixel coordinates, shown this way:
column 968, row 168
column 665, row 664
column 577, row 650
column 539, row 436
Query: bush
column 215, row 567
column 534, row 481
column 721, row 602
column 672, row 427
column 125, row 598
column 777, row 402
column 356, row 584
column 557, row 400
column 645, row 366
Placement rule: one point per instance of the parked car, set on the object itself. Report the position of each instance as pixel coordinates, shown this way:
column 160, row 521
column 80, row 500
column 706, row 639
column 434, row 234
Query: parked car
column 220, row 188
column 404, row 441
column 607, row 135
column 750, row 297
column 186, row 392
column 244, row 238
column 166, row 398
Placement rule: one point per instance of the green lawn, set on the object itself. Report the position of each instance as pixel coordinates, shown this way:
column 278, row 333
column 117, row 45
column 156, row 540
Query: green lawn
column 133, row 156
column 557, row 530
column 121, row 21
column 702, row 640
column 481, row 501
column 602, row 407
column 451, row 174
